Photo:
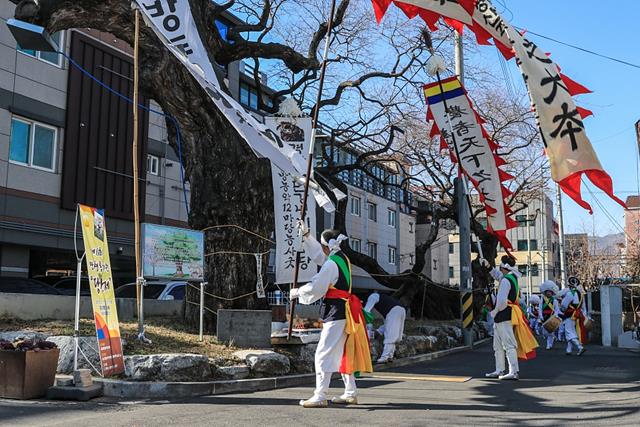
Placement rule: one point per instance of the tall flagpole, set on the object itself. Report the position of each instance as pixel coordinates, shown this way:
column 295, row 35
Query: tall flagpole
column 314, row 126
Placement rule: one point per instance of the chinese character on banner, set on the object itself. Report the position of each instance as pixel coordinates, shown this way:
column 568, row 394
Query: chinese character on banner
column 287, row 198
column 567, row 145
column 478, row 158
column 94, row 234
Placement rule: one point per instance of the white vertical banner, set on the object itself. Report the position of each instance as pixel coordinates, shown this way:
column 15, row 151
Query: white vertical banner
column 287, row 201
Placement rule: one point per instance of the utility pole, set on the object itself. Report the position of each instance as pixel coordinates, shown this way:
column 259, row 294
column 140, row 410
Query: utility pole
column 543, row 230
column 464, row 221
column 528, row 255
column 563, row 268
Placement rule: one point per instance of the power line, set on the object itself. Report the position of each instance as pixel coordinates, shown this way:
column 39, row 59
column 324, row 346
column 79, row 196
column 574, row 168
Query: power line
column 582, row 49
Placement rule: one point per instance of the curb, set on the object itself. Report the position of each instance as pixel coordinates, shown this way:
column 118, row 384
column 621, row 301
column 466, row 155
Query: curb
column 164, row 390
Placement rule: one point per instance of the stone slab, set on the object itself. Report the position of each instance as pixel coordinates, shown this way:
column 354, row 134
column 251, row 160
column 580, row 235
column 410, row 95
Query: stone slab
column 245, row 328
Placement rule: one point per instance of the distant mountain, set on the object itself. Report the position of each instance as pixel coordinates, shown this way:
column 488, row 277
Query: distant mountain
column 609, row 242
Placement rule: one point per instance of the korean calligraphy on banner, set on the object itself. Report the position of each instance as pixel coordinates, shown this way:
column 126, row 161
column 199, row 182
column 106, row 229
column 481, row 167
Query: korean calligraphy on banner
column 478, row 159
column 173, row 23
column 570, row 152
column 94, row 234
column 287, row 200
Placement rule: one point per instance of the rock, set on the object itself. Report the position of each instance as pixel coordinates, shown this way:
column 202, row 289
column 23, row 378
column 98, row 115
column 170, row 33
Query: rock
column 301, row 357
column 89, row 347
column 236, row 372
column 416, row 344
column 22, row 335
column 168, row 367
column 452, row 342
column 428, row 330
column 265, row 363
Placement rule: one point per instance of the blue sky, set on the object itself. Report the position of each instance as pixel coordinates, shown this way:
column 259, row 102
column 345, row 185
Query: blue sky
column 613, row 31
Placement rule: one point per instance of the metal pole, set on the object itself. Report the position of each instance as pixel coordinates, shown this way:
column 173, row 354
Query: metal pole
column 136, row 205
column 528, row 256
column 316, row 112
column 459, row 56
column 464, row 211
column 563, row 269
column 76, row 327
column 201, row 336
column 543, row 228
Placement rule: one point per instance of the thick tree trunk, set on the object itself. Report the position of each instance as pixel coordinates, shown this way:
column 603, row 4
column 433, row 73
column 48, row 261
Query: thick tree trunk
column 229, row 185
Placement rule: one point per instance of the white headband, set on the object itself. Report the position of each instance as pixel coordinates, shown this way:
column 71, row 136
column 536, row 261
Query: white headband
column 333, row 244
column 512, row 269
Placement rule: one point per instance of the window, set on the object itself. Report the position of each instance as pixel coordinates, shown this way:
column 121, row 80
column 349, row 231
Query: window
column 355, row 205
column 248, row 96
column 435, row 264
column 534, row 270
column 356, row 245
column 372, row 250
column 450, row 272
column 50, row 57
column 373, row 212
column 153, row 163
column 523, row 269
column 522, row 221
column 522, row 245
column 33, row 144
column 391, row 217
column 411, row 228
column 392, row 255
column 177, row 292
column 450, row 248
column 534, row 245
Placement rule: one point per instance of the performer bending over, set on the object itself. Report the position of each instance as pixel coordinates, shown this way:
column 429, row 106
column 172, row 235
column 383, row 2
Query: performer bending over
column 549, row 306
column 393, row 328
column 511, row 332
column 574, row 317
column 343, row 345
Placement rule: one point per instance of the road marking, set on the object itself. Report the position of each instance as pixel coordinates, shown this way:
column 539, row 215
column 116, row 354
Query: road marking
column 418, row 377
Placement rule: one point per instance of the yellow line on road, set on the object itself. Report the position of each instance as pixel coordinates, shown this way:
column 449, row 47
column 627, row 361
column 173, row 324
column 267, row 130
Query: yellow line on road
column 417, row 377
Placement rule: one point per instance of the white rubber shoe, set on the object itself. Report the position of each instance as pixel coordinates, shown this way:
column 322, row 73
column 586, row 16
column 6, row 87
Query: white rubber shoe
column 314, row 403
column 351, row 400
column 494, row 374
column 510, row 376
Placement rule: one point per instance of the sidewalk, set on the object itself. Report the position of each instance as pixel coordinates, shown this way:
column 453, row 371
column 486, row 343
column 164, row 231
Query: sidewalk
column 164, row 390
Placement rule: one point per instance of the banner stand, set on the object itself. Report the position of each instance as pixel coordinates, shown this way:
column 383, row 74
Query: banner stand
column 76, row 324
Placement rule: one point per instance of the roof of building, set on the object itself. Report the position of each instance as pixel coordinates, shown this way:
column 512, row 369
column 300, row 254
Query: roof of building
column 633, row 202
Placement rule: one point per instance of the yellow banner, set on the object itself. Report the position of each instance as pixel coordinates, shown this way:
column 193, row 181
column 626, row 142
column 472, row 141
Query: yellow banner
column 94, row 234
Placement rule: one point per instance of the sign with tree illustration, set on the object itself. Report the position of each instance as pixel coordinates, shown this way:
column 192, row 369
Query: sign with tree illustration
column 172, row 253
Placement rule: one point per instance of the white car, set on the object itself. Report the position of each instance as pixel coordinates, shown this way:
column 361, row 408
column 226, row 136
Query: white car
column 155, row 289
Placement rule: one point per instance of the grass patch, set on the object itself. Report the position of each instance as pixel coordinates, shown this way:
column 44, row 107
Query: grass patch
column 167, row 335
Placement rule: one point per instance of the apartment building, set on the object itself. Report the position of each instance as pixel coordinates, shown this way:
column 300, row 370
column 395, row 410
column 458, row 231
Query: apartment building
column 65, row 140
column 378, row 219
column 535, row 243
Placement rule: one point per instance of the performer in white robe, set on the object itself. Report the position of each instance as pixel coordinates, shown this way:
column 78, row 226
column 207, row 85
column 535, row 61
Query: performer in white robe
column 504, row 340
column 532, row 314
column 549, row 306
column 394, row 316
column 574, row 313
column 329, row 353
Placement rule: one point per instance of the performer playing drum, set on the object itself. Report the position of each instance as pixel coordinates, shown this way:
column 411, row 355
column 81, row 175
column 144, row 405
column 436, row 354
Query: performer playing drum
column 549, row 312
column 574, row 316
column 343, row 345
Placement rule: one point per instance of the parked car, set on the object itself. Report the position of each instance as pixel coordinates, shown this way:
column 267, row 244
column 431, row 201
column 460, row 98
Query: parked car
column 67, row 286
column 160, row 290
column 22, row 285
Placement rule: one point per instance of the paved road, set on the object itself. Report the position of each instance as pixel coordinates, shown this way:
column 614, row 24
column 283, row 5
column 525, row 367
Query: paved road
column 602, row 387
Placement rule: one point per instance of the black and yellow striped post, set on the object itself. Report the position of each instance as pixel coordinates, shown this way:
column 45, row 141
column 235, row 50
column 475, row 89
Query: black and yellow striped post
column 467, row 309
